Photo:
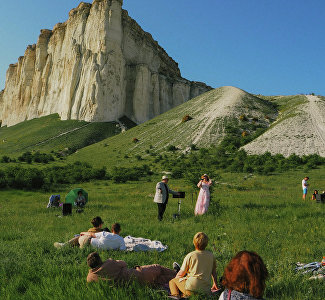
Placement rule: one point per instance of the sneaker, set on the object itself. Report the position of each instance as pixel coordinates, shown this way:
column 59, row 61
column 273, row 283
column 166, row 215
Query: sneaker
column 59, row 245
column 176, row 267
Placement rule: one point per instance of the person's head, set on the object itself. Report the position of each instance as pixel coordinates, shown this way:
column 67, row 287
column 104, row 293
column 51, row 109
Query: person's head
column 205, row 177
column 94, row 260
column 246, row 273
column 165, row 179
column 315, row 192
column 116, row 228
column 97, row 222
column 306, row 178
column 79, row 193
column 200, row 241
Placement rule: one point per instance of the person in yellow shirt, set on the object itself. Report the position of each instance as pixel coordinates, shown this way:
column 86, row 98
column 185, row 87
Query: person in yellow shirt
column 196, row 271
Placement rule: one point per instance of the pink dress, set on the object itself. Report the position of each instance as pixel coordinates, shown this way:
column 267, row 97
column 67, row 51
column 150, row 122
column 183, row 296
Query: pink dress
column 203, row 200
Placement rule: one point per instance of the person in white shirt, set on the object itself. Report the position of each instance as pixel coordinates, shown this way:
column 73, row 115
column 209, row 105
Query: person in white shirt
column 105, row 240
column 304, row 187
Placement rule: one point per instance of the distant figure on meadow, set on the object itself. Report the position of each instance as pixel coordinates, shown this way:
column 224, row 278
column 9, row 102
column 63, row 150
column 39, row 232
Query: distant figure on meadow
column 304, row 187
column 196, row 271
column 244, row 277
column 313, row 196
column 118, row 271
column 162, row 195
column 203, row 200
column 97, row 223
column 80, row 200
column 103, row 240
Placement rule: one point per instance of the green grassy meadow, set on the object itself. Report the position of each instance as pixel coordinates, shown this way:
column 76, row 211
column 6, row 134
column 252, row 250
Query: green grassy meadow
column 51, row 134
column 260, row 213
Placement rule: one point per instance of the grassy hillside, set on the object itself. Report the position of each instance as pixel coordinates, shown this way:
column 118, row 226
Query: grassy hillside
column 51, row 134
column 260, row 213
column 200, row 122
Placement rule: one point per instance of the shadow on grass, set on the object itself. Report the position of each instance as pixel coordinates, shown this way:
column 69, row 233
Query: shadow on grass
column 270, row 206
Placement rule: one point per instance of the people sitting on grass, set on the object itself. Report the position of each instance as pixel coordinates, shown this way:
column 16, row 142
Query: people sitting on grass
column 104, row 240
column 97, row 223
column 118, row 271
column 313, row 196
column 80, row 200
column 244, row 277
column 196, row 271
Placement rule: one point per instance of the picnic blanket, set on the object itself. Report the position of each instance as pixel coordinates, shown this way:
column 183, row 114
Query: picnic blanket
column 140, row 244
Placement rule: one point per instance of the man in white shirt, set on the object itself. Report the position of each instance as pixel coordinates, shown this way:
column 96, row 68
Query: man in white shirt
column 106, row 240
column 304, row 187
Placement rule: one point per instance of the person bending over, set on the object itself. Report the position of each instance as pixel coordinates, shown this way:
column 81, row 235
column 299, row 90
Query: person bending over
column 196, row 271
column 244, row 277
column 118, row 271
column 313, row 196
column 104, row 240
column 97, row 223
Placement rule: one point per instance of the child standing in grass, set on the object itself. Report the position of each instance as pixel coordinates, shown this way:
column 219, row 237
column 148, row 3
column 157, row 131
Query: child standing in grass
column 304, row 187
column 196, row 271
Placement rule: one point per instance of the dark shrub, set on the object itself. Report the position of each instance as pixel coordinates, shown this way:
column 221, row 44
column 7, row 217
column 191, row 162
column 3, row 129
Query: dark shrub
column 171, row 148
column 5, row 159
column 186, row 118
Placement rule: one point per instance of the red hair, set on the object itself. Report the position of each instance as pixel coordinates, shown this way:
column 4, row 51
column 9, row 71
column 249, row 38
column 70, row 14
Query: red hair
column 246, row 273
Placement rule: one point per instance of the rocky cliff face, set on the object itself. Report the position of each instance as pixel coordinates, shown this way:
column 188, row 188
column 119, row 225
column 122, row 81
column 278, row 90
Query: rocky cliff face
column 97, row 66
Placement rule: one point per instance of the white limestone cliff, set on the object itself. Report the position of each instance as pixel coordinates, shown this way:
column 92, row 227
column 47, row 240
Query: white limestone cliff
column 97, row 66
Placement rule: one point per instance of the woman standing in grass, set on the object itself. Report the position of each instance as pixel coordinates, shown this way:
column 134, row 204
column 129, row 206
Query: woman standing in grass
column 203, row 199
column 244, row 277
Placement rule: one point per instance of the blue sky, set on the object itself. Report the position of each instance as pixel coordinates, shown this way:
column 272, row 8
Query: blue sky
column 268, row 47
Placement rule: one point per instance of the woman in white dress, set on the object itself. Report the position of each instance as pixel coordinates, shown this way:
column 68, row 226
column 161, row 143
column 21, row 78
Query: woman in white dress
column 203, row 199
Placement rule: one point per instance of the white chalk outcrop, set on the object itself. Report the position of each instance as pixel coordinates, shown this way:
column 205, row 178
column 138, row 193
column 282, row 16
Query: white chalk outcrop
column 97, row 66
column 300, row 131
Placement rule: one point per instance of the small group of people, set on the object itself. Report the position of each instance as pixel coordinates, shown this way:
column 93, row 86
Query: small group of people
column 163, row 191
column 244, row 276
column 305, row 185
column 97, row 237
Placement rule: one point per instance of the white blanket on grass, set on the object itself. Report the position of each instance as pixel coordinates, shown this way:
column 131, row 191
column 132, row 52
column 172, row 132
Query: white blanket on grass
column 141, row 244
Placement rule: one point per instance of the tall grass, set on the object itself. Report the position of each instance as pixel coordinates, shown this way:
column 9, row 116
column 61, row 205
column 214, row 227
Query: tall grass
column 261, row 213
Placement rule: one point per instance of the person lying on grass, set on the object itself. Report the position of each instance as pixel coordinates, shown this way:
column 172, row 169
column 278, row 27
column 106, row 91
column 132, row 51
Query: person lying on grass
column 97, row 223
column 196, row 271
column 244, row 277
column 118, row 271
column 104, row 240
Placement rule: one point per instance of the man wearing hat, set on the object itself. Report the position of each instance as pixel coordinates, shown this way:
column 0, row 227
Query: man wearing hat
column 162, row 195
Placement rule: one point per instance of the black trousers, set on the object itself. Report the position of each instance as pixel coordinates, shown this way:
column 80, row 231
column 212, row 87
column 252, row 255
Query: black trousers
column 161, row 210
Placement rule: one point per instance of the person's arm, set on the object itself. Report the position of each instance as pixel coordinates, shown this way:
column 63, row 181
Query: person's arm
column 214, row 280
column 90, row 234
column 199, row 184
column 122, row 245
column 214, row 275
column 158, row 187
column 171, row 191
column 184, row 268
column 181, row 273
column 210, row 182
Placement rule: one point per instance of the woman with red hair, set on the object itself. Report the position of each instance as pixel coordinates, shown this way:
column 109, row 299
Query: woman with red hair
column 244, row 277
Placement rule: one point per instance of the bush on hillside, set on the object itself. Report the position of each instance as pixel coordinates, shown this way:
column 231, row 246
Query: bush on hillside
column 37, row 157
column 122, row 174
column 33, row 178
column 186, row 118
column 5, row 159
column 171, row 148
